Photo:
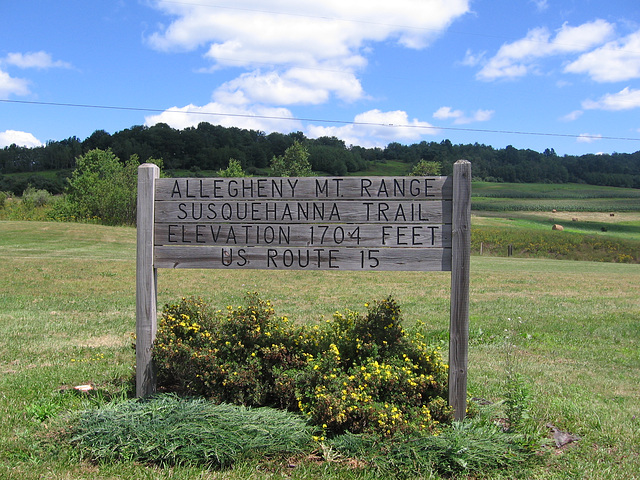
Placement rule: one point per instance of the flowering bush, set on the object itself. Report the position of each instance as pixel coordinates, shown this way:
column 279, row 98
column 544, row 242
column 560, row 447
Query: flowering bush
column 234, row 356
column 357, row 373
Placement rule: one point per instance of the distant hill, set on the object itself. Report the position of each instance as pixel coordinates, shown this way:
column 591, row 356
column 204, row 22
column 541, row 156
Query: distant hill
column 209, row 147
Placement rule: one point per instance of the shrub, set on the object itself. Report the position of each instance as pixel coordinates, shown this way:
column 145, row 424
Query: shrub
column 294, row 162
column 32, row 198
column 33, row 205
column 357, row 373
column 3, row 198
column 425, row 168
column 234, row 170
column 232, row 356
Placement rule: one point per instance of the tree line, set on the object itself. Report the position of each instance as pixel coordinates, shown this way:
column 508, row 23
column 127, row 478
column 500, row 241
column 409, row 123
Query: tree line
column 210, row 147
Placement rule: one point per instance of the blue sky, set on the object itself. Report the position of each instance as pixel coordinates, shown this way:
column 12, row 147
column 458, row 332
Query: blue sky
column 561, row 74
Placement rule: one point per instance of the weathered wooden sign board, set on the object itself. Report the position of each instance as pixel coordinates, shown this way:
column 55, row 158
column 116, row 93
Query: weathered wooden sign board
column 309, row 223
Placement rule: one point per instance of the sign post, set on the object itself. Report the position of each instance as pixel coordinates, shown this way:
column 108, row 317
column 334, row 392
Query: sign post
column 146, row 281
column 302, row 223
column 460, row 269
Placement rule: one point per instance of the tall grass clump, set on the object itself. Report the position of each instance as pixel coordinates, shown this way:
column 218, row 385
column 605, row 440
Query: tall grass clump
column 167, row 430
column 478, row 448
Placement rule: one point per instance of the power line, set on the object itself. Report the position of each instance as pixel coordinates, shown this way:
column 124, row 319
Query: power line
column 319, row 120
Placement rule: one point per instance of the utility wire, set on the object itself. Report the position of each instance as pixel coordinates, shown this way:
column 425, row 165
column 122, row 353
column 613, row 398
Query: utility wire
column 319, row 120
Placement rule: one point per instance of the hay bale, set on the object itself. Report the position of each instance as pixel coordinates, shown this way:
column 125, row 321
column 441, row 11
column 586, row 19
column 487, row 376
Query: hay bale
column 557, row 227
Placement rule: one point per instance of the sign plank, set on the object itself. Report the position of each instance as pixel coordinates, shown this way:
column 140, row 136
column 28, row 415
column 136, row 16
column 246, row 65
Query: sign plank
column 304, row 235
column 353, row 211
column 265, row 258
column 301, row 188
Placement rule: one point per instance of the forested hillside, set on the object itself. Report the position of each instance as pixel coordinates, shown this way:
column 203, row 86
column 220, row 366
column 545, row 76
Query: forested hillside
column 209, row 147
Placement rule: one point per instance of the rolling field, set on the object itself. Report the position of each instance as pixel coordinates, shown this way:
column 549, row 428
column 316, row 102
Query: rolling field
column 570, row 329
column 598, row 223
column 542, row 197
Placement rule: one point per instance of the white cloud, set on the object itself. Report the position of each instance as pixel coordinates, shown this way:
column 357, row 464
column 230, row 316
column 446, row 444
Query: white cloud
column 570, row 117
column 625, row 99
column 588, row 138
column 266, row 119
column 473, row 59
column 482, row 115
column 541, row 5
column 327, row 29
column 445, row 113
column 296, row 86
column 613, row 62
column 12, row 86
column 40, row 60
column 298, row 53
column 459, row 117
column 307, row 52
column 19, row 86
column 519, row 58
column 369, row 129
column 22, row 139
column 376, row 129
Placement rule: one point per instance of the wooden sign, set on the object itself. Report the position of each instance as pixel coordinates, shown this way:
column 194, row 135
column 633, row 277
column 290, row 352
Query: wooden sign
column 310, row 223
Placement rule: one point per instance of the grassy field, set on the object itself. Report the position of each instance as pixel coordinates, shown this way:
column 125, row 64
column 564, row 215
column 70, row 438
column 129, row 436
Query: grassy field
column 67, row 312
column 542, row 197
column 599, row 223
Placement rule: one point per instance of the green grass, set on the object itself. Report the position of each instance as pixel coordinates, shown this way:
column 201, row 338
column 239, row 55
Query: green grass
column 67, row 312
column 385, row 168
column 47, row 174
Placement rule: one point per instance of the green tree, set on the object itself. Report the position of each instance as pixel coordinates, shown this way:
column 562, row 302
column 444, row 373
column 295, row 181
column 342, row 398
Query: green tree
column 233, row 170
column 424, row 168
column 103, row 188
column 294, row 162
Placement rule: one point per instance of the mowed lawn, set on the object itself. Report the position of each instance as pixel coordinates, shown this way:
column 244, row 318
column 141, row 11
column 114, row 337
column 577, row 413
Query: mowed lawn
column 571, row 329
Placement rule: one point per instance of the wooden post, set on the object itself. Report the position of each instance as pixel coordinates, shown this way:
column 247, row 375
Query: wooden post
column 461, row 256
column 146, row 281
